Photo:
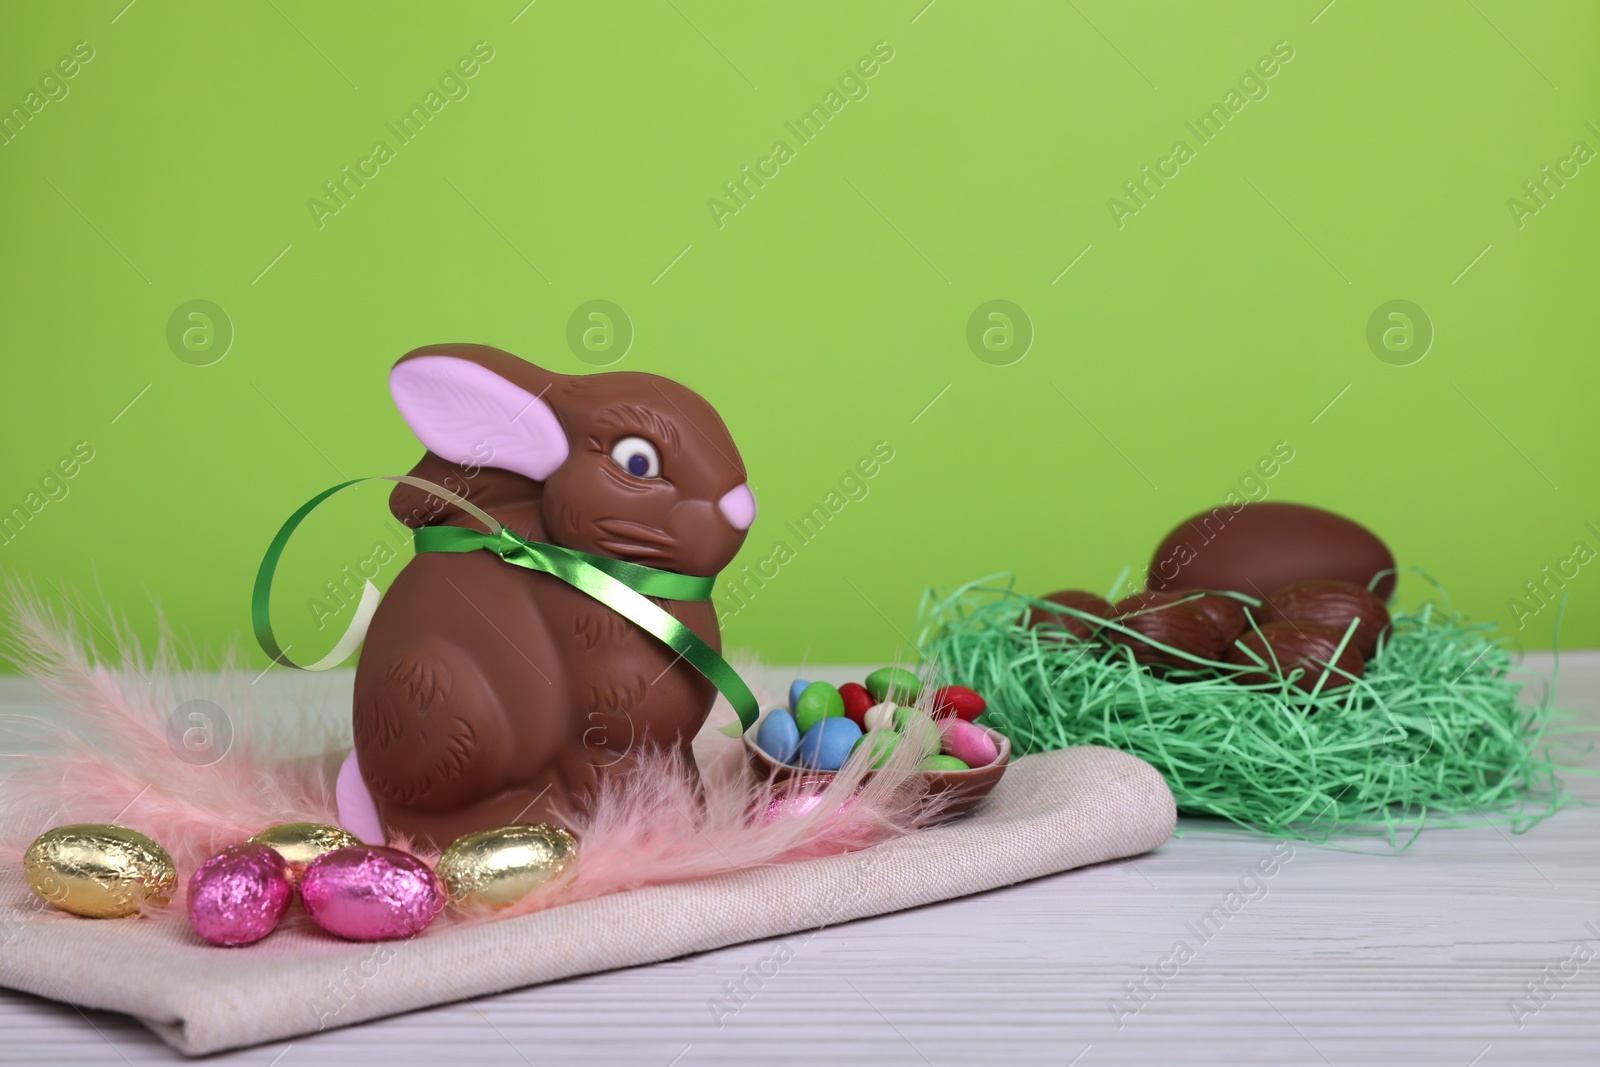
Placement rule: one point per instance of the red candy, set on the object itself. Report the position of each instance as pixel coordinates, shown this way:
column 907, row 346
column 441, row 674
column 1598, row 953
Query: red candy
column 857, row 700
column 955, row 700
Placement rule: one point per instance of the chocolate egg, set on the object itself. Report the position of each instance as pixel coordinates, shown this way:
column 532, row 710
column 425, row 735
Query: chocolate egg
column 1334, row 604
column 237, row 896
column 370, row 893
column 301, row 842
column 1182, row 626
column 1225, row 613
column 499, row 867
column 1308, row 646
column 99, row 871
column 1261, row 547
column 1079, row 599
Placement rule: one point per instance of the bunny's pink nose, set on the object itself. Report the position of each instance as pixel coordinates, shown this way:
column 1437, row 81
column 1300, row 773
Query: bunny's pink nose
column 739, row 505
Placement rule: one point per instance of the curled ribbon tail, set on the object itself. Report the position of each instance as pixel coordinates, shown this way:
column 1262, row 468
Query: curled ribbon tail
column 622, row 586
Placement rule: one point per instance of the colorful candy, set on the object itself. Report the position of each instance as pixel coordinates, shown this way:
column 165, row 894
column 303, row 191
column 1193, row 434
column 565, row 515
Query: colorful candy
column 826, row 745
column 959, row 701
column 370, row 893
column 880, row 744
column 968, row 743
column 98, row 870
column 818, row 701
column 917, row 729
column 893, row 683
column 778, row 735
column 856, row 702
column 879, row 717
column 238, row 896
column 500, row 867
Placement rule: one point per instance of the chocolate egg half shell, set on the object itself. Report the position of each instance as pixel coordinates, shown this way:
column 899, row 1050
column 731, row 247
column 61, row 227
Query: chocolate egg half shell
column 501, row 866
column 1262, row 547
column 99, row 871
column 301, row 842
column 1303, row 645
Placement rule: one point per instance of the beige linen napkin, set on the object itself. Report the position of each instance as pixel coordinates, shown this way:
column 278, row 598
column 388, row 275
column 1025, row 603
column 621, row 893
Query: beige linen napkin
column 1051, row 812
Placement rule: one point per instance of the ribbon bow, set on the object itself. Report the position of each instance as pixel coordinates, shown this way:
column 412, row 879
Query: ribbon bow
column 623, row 587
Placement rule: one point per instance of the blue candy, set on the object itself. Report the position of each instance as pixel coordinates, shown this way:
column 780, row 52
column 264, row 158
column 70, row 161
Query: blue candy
column 795, row 689
column 827, row 744
column 778, row 736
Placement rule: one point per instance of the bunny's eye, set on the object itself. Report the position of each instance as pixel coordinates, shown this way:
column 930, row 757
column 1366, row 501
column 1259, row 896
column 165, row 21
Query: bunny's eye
column 637, row 456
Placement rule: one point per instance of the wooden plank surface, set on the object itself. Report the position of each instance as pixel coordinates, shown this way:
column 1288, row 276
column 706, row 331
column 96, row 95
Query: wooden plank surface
column 1335, row 957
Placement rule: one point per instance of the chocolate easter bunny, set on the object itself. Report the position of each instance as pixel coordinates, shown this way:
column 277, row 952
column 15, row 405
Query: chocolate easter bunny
column 488, row 694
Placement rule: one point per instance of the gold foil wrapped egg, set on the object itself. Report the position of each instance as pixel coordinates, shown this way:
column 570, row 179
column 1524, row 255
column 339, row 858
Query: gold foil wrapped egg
column 301, row 842
column 499, row 867
column 99, row 871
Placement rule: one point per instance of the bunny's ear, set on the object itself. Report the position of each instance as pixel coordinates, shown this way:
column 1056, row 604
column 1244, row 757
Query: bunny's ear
column 459, row 409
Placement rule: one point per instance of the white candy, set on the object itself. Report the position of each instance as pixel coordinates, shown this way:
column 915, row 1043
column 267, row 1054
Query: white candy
column 880, row 716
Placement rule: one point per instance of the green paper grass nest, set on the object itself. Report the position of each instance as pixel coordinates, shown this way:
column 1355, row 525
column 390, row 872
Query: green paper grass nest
column 1433, row 734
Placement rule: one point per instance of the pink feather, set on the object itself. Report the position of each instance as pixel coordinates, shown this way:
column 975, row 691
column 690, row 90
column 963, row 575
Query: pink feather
column 106, row 757
column 653, row 826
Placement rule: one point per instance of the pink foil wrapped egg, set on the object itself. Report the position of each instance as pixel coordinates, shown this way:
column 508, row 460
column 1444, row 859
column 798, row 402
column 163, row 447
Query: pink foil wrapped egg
column 237, row 896
column 797, row 796
column 369, row 893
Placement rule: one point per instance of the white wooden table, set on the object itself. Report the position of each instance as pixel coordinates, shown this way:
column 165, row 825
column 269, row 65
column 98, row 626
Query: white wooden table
column 1415, row 958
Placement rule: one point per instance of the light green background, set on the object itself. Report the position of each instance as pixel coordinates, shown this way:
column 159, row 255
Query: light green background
column 828, row 313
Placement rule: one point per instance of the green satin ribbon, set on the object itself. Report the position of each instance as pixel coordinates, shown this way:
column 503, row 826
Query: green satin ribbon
column 553, row 559
column 622, row 587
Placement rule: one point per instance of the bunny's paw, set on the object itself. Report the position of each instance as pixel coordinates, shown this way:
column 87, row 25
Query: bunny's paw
column 423, row 740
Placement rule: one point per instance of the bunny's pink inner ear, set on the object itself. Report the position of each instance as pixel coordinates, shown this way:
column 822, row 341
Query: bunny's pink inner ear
column 471, row 416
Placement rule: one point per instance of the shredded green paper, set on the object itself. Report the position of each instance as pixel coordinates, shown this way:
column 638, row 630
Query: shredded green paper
column 1433, row 734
